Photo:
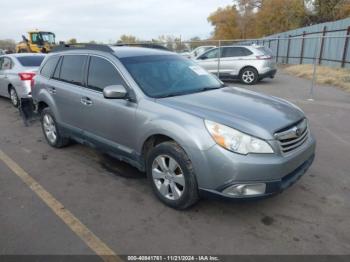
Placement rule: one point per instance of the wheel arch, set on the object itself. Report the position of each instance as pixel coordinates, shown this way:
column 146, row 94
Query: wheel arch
column 247, row 66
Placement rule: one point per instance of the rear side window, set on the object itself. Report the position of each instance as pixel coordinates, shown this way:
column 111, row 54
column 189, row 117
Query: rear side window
column 101, row 74
column 235, row 52
column 49, row 66
column 30, row 61
column 72, row 69
column 6, row 63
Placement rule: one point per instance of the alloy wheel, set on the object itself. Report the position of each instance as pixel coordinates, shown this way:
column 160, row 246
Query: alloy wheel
column 14, row 97
column 50, row 128
column 248, row 77
column 168, row 177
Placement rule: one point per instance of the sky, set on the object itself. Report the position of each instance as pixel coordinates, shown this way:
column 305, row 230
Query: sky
column 106, row 20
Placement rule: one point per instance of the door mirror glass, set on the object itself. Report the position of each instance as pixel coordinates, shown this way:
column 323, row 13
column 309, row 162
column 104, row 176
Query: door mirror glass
column 203, row 57
column 115, row 91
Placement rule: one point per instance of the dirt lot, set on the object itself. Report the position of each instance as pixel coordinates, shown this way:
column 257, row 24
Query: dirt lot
column 115, row 203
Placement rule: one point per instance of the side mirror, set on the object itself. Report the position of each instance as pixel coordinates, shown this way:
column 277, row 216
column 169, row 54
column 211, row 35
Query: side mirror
column 203, row 57
column 115, row 92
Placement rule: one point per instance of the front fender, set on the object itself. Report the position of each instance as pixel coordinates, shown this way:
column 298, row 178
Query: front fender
column 191, row 137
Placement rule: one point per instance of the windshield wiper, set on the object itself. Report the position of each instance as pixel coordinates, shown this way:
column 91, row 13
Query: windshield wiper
column 203, row 89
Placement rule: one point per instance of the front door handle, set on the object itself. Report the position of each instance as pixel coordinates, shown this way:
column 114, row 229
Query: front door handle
column 52, row 90
column 86, row 101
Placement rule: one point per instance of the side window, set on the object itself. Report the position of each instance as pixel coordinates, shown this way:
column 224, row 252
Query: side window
column 212, row 54
column 235, row 52
column 49, row 66
column 72, row 69
column 247, row 52
column 101, row 74
column 57, row 72
column 6, row 64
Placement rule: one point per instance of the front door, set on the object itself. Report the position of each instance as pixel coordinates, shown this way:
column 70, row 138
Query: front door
column 110, row 122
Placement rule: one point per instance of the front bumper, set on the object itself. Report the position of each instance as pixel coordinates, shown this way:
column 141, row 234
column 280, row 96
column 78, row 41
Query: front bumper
column 222, row 169
column 272, row 187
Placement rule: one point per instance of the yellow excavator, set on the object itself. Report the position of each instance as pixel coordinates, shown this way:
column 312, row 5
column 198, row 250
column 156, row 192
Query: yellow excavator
column 37, row 42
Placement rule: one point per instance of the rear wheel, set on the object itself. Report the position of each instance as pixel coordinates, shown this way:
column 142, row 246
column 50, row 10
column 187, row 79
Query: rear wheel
column 51, row 131
column 171, row 175
column 249, row 76
column 14, row 97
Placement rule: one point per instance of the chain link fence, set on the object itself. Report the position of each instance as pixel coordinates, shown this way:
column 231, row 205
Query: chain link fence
column 321, row 50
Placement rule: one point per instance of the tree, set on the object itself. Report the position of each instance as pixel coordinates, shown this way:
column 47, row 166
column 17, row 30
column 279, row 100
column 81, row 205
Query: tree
column 72, row 41
column 330, row 10
column 277, row 16
column 225, row 22
column 8, row 44
column 128, row 39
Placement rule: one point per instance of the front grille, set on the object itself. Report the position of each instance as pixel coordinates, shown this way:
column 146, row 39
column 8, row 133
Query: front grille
column 294, row 137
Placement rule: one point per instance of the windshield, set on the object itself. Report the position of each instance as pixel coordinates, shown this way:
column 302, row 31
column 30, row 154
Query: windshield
column 169, row 75
column 48, row 37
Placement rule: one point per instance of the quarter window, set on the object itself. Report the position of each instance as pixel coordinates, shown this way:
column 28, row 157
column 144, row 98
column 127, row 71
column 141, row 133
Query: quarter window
column 56, row 75
column 72, row 69
column 49, row 66
column 101, row 74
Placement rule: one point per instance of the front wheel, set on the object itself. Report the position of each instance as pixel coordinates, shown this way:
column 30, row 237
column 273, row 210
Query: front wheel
column 171, row 175
column 249, row 76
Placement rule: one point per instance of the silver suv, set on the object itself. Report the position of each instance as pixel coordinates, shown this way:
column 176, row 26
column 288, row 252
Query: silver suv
column 167, row 116
column 249, row 64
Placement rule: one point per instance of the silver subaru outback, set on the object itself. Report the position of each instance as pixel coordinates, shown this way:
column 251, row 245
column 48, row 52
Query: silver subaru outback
column 169, row 117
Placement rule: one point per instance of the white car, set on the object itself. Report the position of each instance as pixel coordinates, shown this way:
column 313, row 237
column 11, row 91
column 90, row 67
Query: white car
column 249, row 64
column 197, row 51
column 17, row 72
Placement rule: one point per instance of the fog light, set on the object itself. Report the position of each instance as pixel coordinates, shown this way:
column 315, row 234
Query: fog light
column 245, row 189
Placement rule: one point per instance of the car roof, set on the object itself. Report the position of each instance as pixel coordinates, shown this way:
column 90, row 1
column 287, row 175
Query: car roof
column 118, row 51
column 128, row 51
column 24, row 54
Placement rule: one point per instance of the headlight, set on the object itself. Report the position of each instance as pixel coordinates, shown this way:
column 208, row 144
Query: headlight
column 236, row 141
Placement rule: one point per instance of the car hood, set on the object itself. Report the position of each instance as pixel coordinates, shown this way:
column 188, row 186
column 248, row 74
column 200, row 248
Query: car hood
column 250, row 112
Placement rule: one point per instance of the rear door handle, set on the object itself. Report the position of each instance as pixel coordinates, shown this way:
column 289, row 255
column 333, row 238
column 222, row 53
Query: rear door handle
column 86, row 101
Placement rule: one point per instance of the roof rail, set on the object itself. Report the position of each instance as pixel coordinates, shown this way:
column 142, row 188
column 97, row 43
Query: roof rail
column 146, row 45
column 82, row 46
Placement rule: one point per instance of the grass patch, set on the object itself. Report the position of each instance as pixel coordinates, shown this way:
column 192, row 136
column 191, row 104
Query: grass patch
column 339, row 77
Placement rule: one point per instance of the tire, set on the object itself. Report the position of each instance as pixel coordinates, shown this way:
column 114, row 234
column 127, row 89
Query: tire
column 178, row 188
column 51, row 130
column 249, row 76
column 14, row 97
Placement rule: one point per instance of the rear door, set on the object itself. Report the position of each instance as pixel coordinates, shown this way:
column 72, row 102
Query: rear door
column 66, row 89
column 110, row 122
column 5, row 67
column 1, row 77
